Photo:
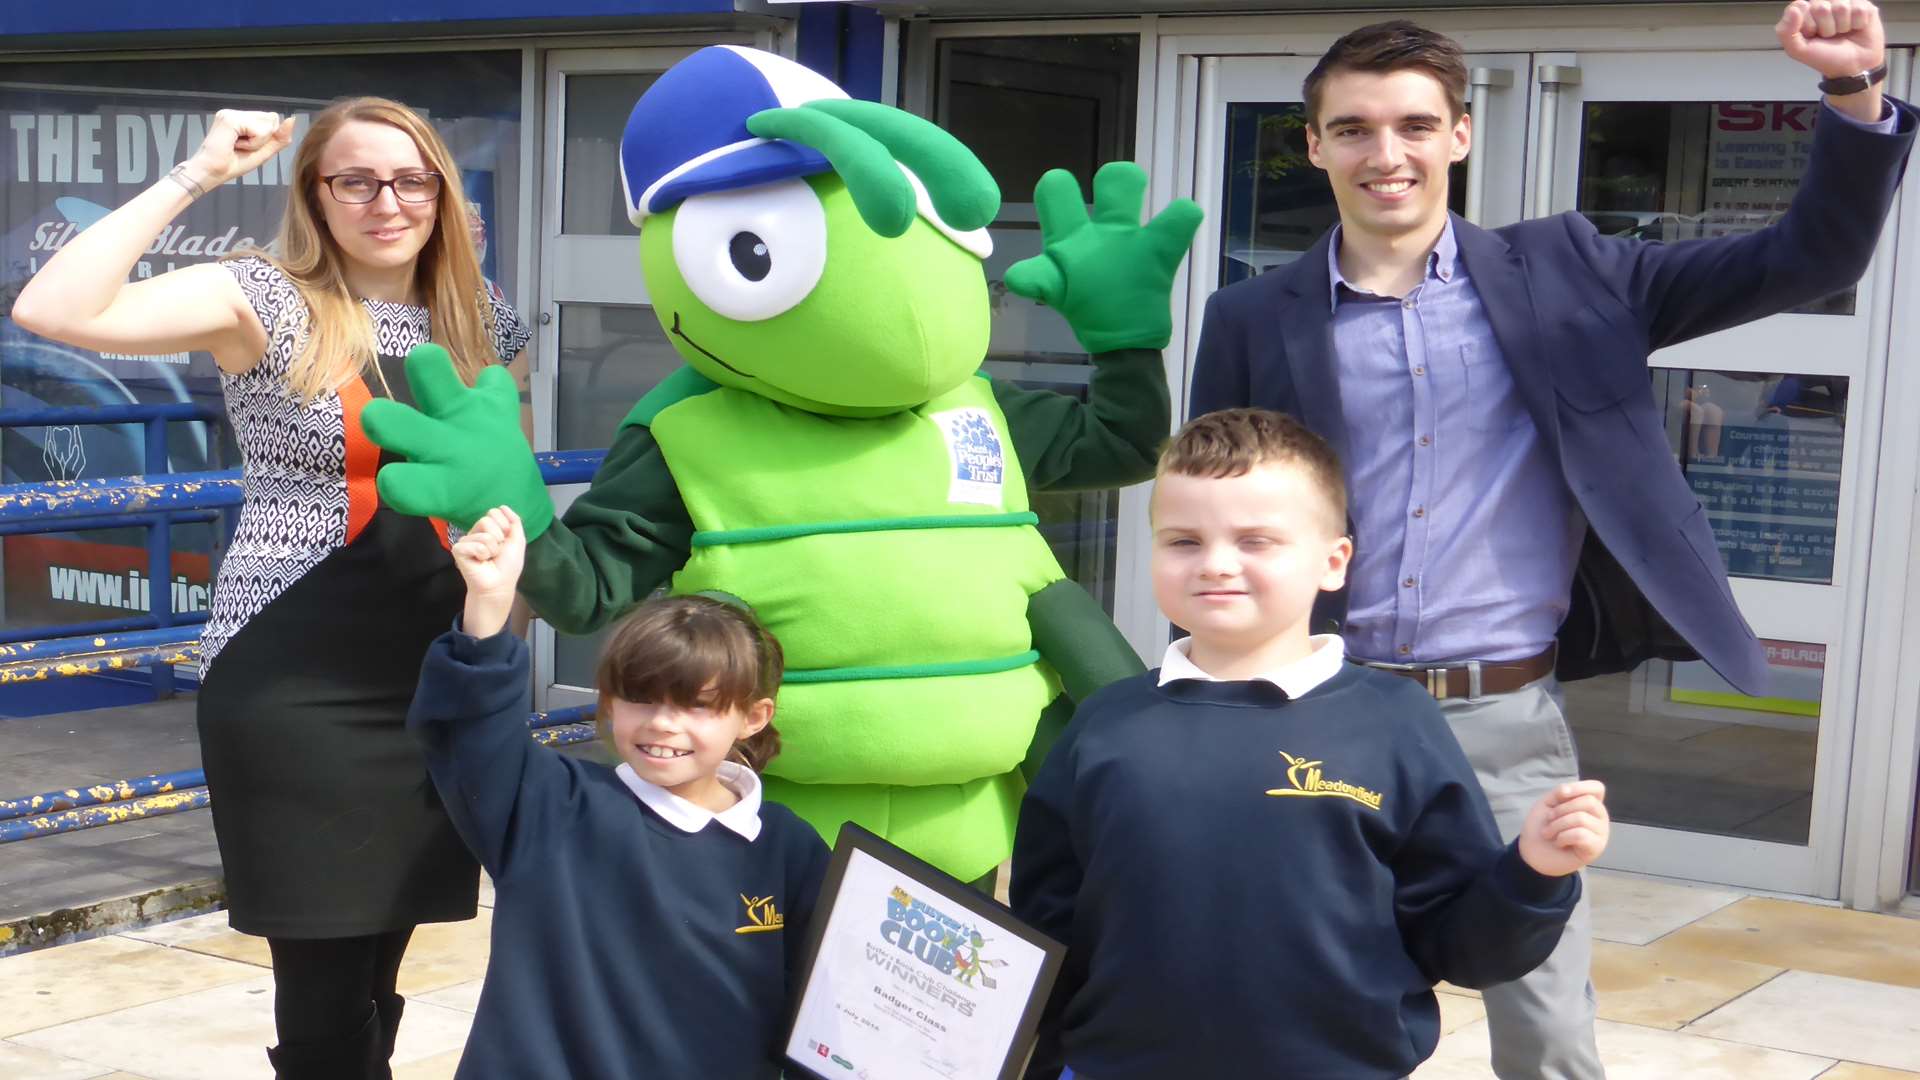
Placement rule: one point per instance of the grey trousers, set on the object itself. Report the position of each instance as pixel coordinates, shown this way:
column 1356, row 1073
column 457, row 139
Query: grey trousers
column 1520, row 747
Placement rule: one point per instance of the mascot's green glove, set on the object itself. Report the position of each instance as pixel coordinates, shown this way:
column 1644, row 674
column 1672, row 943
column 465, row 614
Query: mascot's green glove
column 464, row 448
column 1110, row 276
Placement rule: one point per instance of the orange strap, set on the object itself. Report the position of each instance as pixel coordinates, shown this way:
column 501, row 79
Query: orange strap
column 363, row 465
column 363, row 459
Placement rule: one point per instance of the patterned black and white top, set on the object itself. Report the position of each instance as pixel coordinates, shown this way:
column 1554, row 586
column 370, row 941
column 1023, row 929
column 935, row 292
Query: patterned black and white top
column 294, row 453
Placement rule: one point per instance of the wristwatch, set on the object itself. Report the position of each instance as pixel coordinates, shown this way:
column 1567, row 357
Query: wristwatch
column 1841, row 85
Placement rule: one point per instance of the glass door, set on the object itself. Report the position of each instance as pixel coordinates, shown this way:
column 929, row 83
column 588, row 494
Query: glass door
column 1766, row 421
column 595, row 319
column 1026, row 104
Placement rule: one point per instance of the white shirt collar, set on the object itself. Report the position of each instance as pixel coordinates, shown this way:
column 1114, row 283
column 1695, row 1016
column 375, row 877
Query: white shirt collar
column 742, row 817
column 1297, row 679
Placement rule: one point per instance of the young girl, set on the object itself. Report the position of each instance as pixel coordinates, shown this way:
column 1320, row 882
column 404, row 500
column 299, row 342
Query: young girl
column 647, row 918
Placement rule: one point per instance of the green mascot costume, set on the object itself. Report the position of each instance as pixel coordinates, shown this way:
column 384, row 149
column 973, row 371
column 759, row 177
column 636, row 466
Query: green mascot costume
column 832, row 453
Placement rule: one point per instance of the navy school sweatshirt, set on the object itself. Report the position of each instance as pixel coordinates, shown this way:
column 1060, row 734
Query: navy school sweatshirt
column 622, row 945
column 1255, row 886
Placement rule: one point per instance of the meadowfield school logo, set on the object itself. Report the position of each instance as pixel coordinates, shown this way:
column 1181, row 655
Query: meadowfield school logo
column 1304, row 779
column 762, row 917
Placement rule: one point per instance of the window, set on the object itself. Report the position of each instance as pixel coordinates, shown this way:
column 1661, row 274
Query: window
column 1026, row 105
column 1661, row 170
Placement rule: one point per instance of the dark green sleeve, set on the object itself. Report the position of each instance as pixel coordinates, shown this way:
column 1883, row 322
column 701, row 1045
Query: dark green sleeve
column 1110, row 440
column 622, row 538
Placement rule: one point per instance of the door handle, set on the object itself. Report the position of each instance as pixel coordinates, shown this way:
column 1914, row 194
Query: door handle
column 1480, row 83
column 1552, row 78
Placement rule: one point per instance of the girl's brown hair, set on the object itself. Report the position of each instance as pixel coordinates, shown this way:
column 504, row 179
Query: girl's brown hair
column 693, row 651
column 339, row 340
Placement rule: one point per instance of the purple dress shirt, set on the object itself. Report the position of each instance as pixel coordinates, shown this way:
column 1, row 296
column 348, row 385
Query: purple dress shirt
column 1465, row 535
column 1465, row 532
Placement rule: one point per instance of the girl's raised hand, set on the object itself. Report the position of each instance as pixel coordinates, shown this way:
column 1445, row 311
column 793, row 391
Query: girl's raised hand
column 490, row 556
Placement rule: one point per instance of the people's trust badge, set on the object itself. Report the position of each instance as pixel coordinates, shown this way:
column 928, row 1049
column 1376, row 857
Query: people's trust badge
column 975, row 454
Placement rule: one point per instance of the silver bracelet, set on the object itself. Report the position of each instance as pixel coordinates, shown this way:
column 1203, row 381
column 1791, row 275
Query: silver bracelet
column 179, row 175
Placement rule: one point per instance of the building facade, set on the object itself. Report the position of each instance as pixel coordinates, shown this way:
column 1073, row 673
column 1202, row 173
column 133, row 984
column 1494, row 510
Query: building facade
column 1663, row 121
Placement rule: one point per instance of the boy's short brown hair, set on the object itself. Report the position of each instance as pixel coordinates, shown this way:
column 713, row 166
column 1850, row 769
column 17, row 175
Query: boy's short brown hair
column 1232, row 442
column 694, row 651
column 1383, row 47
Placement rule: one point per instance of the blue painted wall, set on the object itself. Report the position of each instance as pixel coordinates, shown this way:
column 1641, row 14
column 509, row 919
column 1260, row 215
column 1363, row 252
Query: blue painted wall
column 27, row 18
column 844, row 43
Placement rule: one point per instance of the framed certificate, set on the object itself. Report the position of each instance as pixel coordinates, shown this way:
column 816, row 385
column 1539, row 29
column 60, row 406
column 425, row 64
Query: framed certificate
column 912, row 975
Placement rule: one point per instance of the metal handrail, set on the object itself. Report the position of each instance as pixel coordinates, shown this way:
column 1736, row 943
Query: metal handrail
column 64, row 505
column 154, row 418
column 132, row 413
column 56, row 500
column 157, row 501
column 154, row 501
column 32, row 661
column 112, row 801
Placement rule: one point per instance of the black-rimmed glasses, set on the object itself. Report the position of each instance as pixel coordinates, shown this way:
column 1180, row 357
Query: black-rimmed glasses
column 355, row 189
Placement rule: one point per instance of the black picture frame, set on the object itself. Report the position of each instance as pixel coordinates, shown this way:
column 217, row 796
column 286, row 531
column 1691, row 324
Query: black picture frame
column 986, row 909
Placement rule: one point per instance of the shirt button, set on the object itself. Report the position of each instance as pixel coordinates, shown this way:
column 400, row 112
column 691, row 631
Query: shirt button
column 1419, row 511
column 1405, row 649
column 1408, row 583
column 1419, row 369
column 1408, row 304
column 1426, row 440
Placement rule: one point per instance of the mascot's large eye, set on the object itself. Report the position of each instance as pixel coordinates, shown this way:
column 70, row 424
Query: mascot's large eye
column 752, row 254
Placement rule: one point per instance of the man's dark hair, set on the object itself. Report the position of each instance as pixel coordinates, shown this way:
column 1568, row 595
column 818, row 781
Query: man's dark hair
column 1386, row 47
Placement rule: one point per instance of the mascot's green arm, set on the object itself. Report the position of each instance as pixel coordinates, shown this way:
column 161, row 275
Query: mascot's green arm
column 622, row 538
column 1110, row 440
column 1072, row 633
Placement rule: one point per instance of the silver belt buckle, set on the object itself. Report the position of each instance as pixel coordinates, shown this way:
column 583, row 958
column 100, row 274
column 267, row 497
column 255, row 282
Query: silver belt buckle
column 1436, row 677
column 1437, row 680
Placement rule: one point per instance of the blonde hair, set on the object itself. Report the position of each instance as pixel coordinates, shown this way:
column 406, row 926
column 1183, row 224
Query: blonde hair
column 339, row 341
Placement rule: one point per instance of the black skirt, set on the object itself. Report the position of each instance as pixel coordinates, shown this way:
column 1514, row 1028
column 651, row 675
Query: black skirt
column 327, row 822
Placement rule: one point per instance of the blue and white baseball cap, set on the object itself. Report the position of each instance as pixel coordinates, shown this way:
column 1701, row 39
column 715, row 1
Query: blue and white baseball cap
column 687, row 135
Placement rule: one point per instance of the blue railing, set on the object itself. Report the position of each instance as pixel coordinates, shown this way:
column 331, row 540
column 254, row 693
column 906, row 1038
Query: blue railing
column 158, row 522
column 164, row 637
column 113, row 801
column 156, row 500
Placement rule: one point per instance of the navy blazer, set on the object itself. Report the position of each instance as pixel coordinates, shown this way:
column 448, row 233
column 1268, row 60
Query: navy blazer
column 1576, row 314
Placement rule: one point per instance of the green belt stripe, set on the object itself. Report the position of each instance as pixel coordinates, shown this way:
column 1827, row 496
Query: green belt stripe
column 719, row 537
column 914, row 671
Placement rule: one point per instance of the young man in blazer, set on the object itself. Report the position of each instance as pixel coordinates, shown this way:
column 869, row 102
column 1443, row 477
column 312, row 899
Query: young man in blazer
column 1517, row 511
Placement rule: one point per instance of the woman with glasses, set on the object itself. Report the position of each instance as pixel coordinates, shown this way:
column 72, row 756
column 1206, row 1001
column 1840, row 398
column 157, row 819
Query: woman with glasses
column 334, row 843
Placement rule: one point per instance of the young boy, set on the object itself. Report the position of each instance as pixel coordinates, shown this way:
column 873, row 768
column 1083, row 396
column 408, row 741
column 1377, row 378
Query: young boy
column 1261, row 857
